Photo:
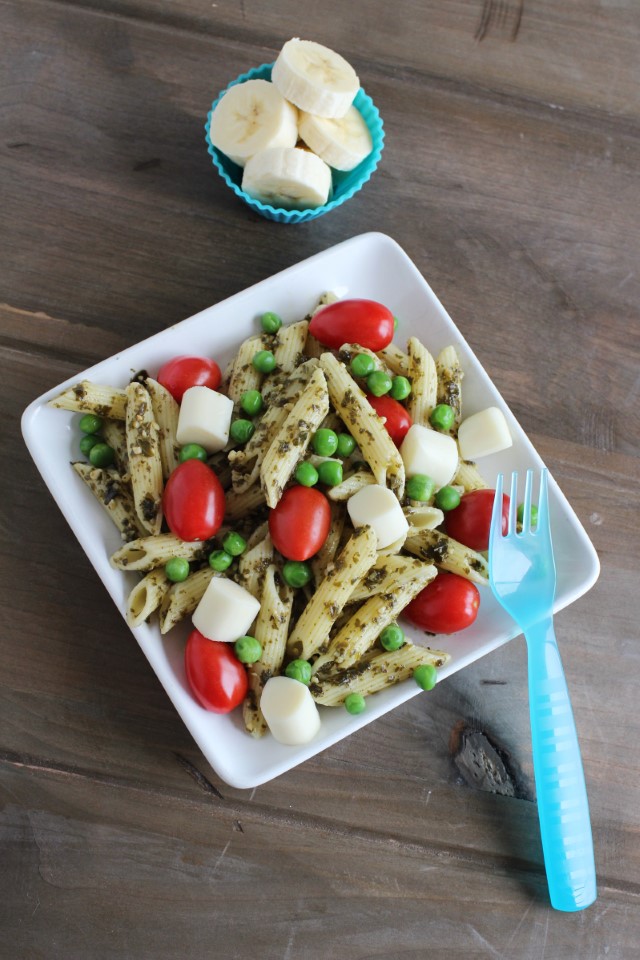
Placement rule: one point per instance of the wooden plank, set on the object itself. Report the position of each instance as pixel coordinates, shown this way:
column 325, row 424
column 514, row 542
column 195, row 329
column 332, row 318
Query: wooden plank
column 124, row 872
column 579, row 54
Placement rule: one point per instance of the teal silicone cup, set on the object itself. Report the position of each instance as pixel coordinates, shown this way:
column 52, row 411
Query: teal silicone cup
column 345, row 185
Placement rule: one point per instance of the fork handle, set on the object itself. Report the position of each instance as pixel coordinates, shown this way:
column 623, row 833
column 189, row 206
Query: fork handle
column 563, row 807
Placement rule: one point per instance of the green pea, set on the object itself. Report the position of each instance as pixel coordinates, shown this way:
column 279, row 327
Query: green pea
column 264, row 361
column 330, row 472
column 101, row 455
column 251, row 402
column 533, row 515
column 248, row 649
column 90, row 423
column 362, row 365
column 325, row 442
column 379, row 383
column 87, row 442
column 392, row 637
column 192, row 451
column 442, row 417
column 306, row 474
column 271, row 322
column 447, row 498
column 346, row 445
column 241, row 430
column 355, row 703
column 234, row 544
column 400, row 388
column 177, row 569
column 420, row 487
column 220, row 560
column 299, row 670
column 425, row 676
column 296, row 573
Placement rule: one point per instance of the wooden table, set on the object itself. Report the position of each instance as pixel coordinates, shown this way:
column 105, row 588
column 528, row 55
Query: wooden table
column 511, row 177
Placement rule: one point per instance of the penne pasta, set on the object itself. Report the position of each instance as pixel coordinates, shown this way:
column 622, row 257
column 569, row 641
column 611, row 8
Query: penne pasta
column 88, row 397
column 271, row 628
column 289, row 345
column 292, row 439
column 350, row 485
column 115, row 434
column 166, row 412
column 243, row 375
column 374, row 673
column 147, row 553
column 143, row 450
column 254, row 563
column 448, row 554
column 395, row 359
column 311, row 632
column 181, row 599
column 384, row 576
column 366, row 427
column 323, row 559
column 247, row 461
column 239, row 505
column 146, row 597
column 422, row 517
column 362, row 629
column 450, row 376
column 349, row 350
column 468, row 477
column 109, row 489
column 424, row 382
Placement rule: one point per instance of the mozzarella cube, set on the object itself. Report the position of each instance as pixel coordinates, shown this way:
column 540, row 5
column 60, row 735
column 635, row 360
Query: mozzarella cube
column 290, row 711
column 377, row 507
column 484, row 433
column 225, row 612
column 205, row 418
column 429, row 452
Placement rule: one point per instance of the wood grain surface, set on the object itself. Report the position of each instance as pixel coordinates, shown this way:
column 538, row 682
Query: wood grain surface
column 511, row 176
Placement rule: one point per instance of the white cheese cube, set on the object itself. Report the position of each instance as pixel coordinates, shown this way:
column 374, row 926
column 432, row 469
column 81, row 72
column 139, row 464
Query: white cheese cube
column 484, row 433
column 429, row 452
column 225, row 612
column 379, row 508
column 290, row 711
column 205, row 418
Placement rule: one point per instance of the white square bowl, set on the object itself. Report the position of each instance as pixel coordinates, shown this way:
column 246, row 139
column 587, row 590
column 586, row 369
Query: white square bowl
column 371, row 266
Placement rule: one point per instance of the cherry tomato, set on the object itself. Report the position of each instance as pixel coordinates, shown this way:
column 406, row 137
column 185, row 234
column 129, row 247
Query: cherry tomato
column 397, row 419
column 193, row 501
column 300, row 523
column 217, row 679
column 470, row 521
column 447, row 604
column 353, row 321
column 179, row 374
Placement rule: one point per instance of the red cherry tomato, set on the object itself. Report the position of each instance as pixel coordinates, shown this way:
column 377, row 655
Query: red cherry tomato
column 179, row 374
column 217, row 679
column 353, row 321
column 193, row 501
column 470, row 521
column 397, row 419
column 447, row 604
column 300, row 523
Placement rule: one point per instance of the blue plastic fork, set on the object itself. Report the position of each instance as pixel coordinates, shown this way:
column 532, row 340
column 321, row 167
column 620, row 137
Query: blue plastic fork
column 522, row 574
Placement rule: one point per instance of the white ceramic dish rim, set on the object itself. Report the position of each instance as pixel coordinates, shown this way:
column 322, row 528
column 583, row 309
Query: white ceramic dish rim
column 368, row 265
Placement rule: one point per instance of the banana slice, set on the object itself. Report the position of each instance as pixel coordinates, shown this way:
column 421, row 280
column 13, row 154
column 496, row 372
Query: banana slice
column 342, row 143
column 252, row 116
column 287, row 177
column 315, row 78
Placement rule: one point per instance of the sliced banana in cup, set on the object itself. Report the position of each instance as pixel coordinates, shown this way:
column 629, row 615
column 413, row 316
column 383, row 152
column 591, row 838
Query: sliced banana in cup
column 287, row 177
column 315, row 78
column 250, row 117
column 343, row 143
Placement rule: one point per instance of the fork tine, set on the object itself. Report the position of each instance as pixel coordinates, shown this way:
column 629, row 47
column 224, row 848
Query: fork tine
column 526, row 519
column 513, row 502
column 543, row 525
column 495, row 530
